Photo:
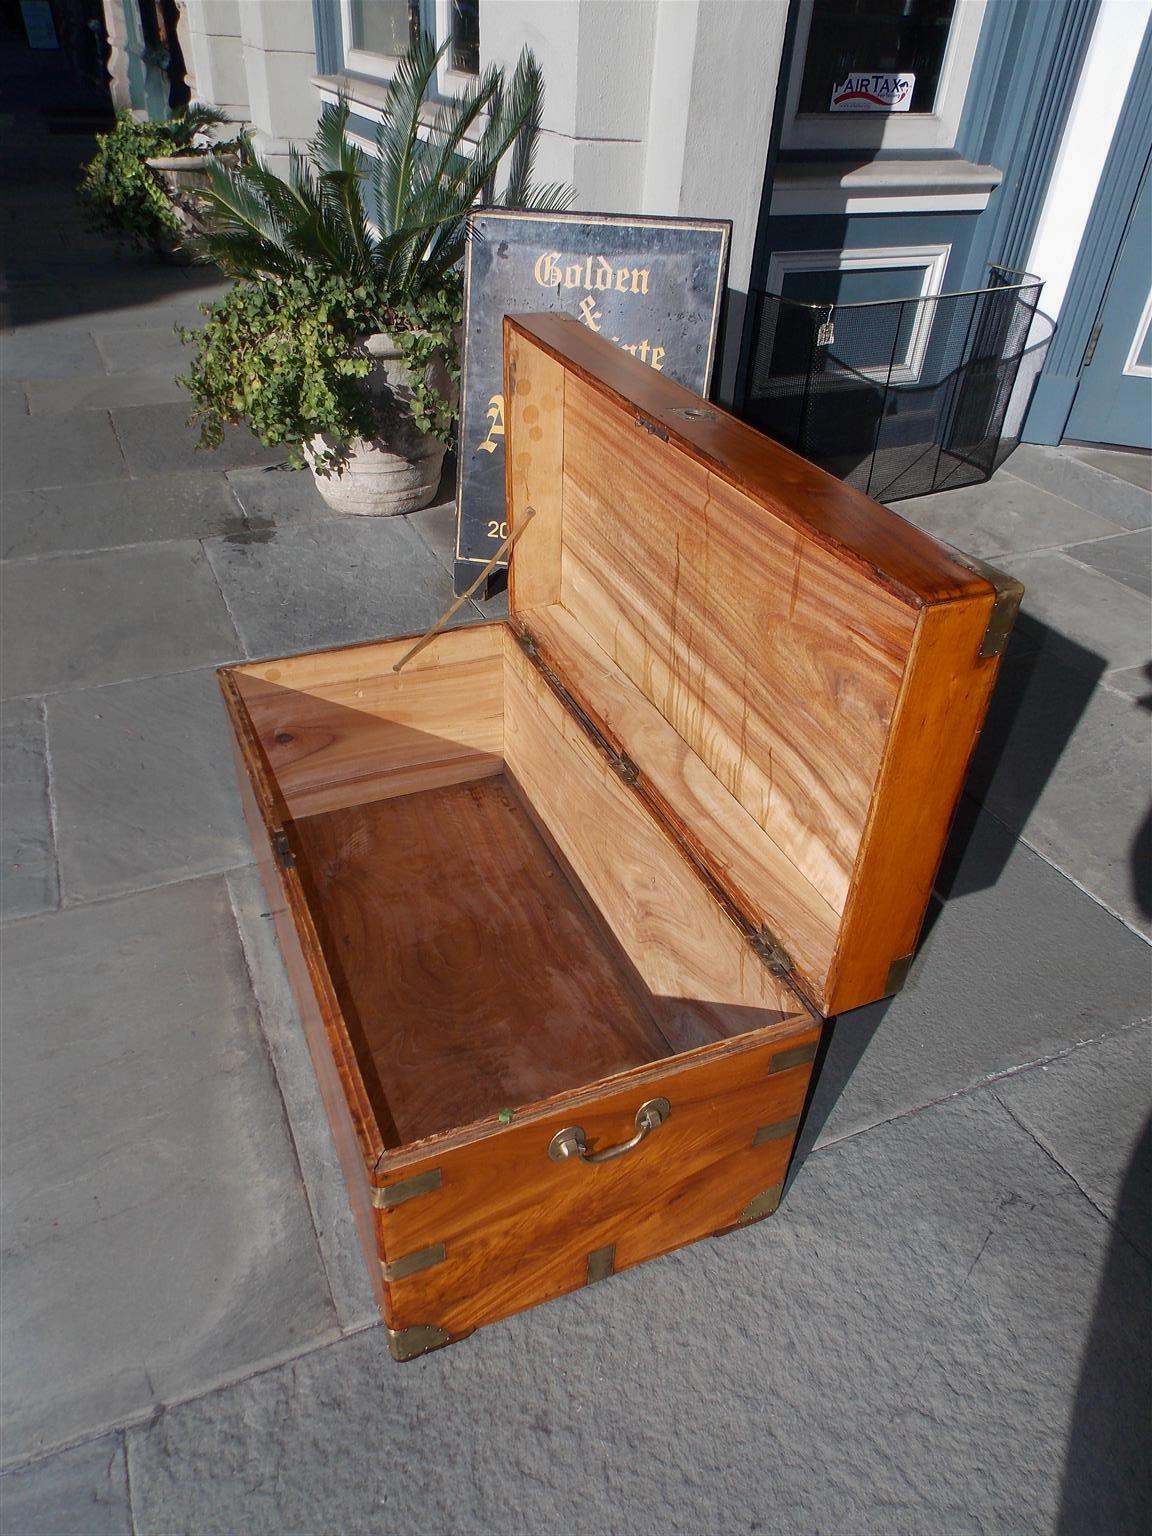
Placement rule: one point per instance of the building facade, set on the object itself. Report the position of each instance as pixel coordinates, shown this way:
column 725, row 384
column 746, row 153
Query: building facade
column 866, row 151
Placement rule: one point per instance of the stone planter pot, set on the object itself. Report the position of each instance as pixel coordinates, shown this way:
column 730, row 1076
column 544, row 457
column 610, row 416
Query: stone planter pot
column 185, row 179
column 398, row 470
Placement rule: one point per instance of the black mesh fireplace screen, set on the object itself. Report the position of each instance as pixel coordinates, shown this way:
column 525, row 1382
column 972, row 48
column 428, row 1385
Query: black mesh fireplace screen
column 905, row 396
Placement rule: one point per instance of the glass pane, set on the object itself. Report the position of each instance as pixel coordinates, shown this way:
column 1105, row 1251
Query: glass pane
column 465, row 50
column 385, row 26
column 849, row 37
column 864, row 338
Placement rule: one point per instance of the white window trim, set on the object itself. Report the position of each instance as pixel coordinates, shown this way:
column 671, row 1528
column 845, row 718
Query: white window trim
column 436, row 17
column 896, row 130
column 932, row 259
column 1132, row 367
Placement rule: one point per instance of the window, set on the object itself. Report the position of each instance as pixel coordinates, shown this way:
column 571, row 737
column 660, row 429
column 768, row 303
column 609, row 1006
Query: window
column 384, row 27
column 870, row 341
column 378, row 32
column 896, row 37
column 464, row 54
column 932, row 43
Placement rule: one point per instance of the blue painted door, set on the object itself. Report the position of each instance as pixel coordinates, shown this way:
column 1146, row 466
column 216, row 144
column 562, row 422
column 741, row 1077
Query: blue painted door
column 1114, row 401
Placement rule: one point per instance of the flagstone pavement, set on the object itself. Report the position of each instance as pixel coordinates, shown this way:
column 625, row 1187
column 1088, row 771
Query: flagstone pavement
column 945, row 1328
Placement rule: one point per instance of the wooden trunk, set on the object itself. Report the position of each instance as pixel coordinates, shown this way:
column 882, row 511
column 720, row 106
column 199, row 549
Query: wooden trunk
column 566, row 899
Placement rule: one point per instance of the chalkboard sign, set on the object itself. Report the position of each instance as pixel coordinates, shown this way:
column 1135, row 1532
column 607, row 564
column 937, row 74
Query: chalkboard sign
column 653, row 286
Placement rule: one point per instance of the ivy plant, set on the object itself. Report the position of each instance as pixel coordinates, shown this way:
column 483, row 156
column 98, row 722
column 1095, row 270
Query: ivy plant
column 352, row 244
column 122, row 195
column 286, row 356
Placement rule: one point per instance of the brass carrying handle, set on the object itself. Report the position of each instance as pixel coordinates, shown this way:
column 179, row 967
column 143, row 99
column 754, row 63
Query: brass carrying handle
column 572, row 1143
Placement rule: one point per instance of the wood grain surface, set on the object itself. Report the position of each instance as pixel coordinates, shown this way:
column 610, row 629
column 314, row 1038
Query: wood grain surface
column 723, row 836
column 341, row 727
column 875, row 541
column 816, row 655
column 518, row 1229
column 942, row 706
column 355, row 1132
column 479, row 980
column 660, row 911
column 773, row 661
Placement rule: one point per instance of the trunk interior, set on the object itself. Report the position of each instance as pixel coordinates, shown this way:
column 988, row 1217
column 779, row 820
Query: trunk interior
column 501, row 918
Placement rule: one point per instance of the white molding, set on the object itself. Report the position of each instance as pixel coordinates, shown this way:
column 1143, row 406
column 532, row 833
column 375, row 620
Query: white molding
column 897, row 130
column 1084, row 144
column 932, row 259
column 366, row 98
column 883, row 186
column 1133, row 368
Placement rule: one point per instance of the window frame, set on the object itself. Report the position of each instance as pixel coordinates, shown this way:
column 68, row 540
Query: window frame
column 435, row 17
column 932, row 259
column 937, row 129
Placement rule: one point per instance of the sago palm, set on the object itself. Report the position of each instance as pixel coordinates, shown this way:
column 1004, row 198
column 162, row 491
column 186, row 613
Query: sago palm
column 394, row 223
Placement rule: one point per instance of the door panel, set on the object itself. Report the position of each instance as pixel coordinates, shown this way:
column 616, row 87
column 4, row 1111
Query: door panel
column 1114, row 401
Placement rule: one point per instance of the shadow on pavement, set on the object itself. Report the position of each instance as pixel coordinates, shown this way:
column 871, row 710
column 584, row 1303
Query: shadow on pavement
column 1107, row 1485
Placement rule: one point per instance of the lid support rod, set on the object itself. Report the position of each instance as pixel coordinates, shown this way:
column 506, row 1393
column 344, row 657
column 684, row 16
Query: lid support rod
column 450, row 612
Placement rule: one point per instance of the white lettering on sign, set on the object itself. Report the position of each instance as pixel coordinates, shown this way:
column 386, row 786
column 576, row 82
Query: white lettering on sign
column 873, row 93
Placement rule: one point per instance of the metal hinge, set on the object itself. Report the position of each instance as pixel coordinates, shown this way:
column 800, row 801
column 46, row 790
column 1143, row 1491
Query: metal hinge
column 771, row 951
column 283, row 848
column 653, row 427
column 625, row 767
column 1090, row 349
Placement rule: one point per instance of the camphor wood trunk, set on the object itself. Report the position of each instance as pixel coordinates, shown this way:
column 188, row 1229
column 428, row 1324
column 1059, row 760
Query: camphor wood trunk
column 565, row 900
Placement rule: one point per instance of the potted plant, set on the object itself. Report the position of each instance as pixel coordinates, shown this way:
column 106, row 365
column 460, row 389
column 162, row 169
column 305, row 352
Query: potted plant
column 143, row 184
column 340, row 338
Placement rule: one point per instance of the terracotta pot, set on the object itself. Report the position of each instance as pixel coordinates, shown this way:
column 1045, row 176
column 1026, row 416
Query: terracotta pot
column 398, row 470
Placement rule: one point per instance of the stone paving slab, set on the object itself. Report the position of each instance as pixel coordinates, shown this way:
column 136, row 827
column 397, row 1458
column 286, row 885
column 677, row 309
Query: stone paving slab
column 13, row 401
column 144, row 785
column 1132, row 682
column 344, row 1258
column 56, row 520
column 1110, row 620
column 156, row 1234
column 1067, row 769
column 1092, row 1111
column 1131, row 465
column 1126, row 558
column 279, row 497
column 332, row 583
column 436, row 525
column 130, row 349
column 40, row 450
column 993, row 986
column 1065, row 474
column 151, row 297
column 1006, row 516
column 80, row 1492
column 894, row 1351
column 39, row 353
column 142, row 386
column 28, row 878
column 157, row 440
column 109, row 616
